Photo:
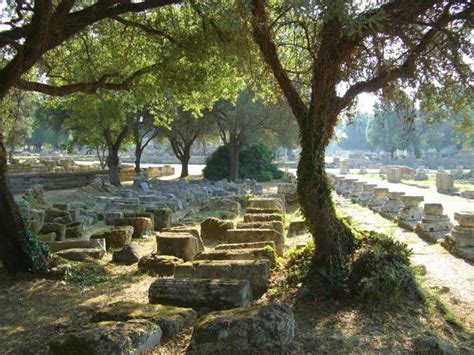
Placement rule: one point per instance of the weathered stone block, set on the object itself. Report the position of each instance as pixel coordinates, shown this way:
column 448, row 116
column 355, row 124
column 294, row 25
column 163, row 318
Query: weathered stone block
column 72, row 244
column 170, row 319
column 159, row 265
column 267, row 203
column 128, row 255
column 81, row 254
column 269, row 243
column 214, row 294
column 186, row 229
column 297, row 228
column 161, row 217
column 238, row 254
column 215, row 229
column 140, row 225
column 276, row 225
column 262, row 329
column 257, row 235
column 261, row 217
column 57, row 228
column 132, row 337
column 257, row 272
column 115, row 237
column 182, row 245
column 465, row 218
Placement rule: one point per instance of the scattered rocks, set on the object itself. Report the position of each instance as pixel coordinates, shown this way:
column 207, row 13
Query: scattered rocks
column 257, row 235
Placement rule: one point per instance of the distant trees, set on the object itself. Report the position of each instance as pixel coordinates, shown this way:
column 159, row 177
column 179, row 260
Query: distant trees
column 354, row 133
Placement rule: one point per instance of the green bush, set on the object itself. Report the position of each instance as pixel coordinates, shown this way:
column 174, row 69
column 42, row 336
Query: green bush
column 255, row 162
column 217, row 165
column 381, row 269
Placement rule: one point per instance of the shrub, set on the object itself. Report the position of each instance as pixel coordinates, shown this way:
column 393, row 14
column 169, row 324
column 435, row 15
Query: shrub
column 255, row 163
column 381, row 269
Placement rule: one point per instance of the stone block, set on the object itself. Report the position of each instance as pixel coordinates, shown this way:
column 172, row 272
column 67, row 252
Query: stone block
column 159, row 265
column 141, row 225
column 182, row 245
column 81, row 254
column 171, row 319
column 115, row 237
column 238, row 254
column 269, row 243
column 267, row 203
column 256, row 272
column 214, row 229
column 276, row 225
column 186, row 229
column 199, row 293
column 128, row 255
column 465, row 218
column 161, row 217
column 132, row 337
column 260, row 217
column 297, row 228
column 57, row 228
column 257, row 235
column 74, row 230
column 445, row 183
column 81, row 243
column 267, row 329
column 394, row 175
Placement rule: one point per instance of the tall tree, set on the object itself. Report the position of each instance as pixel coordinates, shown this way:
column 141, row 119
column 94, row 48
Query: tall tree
column 324, row 53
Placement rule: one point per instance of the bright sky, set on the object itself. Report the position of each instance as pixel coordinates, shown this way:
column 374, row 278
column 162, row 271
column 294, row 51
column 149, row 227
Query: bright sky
column 365, row 102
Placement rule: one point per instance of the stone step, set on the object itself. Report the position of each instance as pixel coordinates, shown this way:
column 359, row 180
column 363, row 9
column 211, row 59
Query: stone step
column 132, row 337
column 171, row 319
column 184, row 229
column 238, row 254
column 81, row 254
column 214, row 229
column 201, row 293
column 267, row 203
column 158, row 265
column 252, row 210
column 276, row 225
column 269, row 243
column 258, row 272
column 257, row 235
column 267, row 329
column 182, row 245
column 263, row 217
column 72, row 244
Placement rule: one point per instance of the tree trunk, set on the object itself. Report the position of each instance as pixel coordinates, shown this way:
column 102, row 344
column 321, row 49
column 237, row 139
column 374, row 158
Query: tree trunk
column 113, row 164
column 19, row 249
column 138, row 158
column 185, row 161
column 234, row 152
column 334, row 244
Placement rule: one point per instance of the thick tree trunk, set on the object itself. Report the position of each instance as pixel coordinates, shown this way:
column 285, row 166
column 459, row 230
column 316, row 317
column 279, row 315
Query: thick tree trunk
column 19, row 249
column 185, row 161
column 234, row 152
column 113, row 165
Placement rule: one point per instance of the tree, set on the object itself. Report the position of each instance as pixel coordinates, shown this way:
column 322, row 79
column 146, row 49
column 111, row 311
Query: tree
column 104, row 117
column 323, row 54
column 250, row 120
column 387, row 130
column 354, row 135
column 184, row 129
column 144, row 130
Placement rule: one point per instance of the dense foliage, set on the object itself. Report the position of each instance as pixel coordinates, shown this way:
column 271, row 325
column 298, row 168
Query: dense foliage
column 255, row 163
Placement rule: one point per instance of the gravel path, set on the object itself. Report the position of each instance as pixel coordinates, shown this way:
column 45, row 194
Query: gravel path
column 451, row 276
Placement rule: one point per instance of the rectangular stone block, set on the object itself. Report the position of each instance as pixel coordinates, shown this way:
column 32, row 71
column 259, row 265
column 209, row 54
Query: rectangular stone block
column 269, row 243
column 257, row 235
column 256, row 272
column 73, row 244
column 263, row 217
column 238, row 254
column 182, row 245
column 198, row 293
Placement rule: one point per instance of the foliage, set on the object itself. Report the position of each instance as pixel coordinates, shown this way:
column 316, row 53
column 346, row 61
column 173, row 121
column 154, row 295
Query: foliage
column 381, row 269
column 354, row 135
column 255, row 163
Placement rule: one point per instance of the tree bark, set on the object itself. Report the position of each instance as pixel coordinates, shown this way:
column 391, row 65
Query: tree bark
column 138, row 159
column 234, row 152
column 113, row 165
column 185, row 161
column 19, row 249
